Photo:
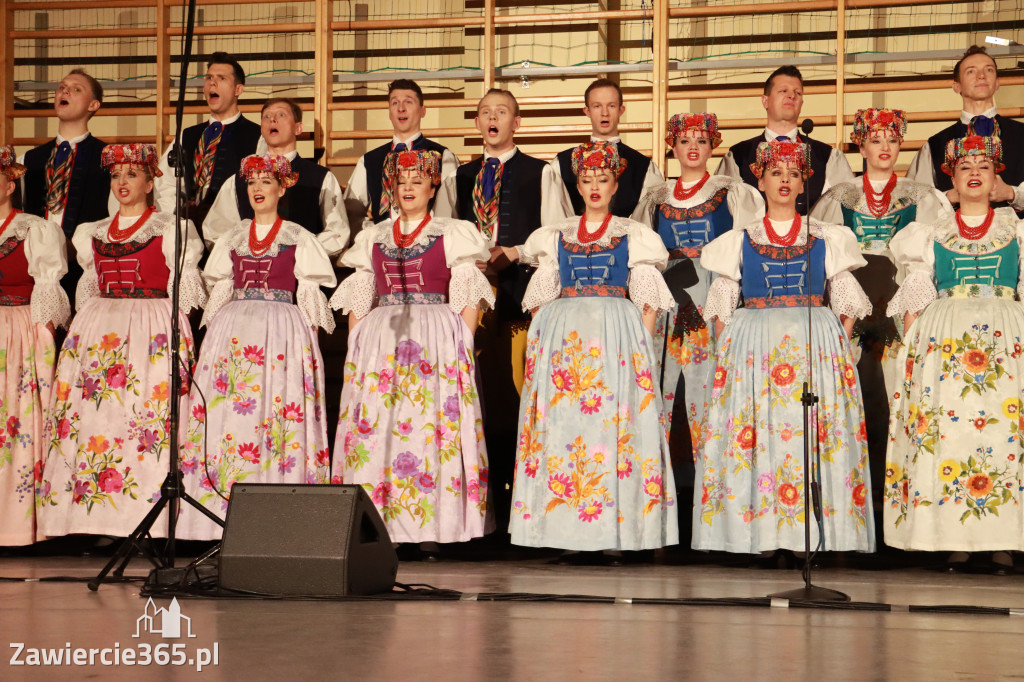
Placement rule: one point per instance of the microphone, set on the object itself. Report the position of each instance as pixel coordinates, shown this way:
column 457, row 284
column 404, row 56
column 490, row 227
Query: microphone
column 806, row 126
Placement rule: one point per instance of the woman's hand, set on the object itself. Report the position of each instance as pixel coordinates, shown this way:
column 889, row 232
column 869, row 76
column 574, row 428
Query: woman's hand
column 650, row 318
column 353, row 321
column 471, row 317
column 847, row 325
column 908, row 319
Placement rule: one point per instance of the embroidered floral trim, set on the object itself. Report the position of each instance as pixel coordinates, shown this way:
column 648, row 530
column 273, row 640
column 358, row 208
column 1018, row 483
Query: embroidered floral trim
column 685, row 252
column 13, row 300
column 277, row 295
column 10, row 245
column 699, row 211
column 576, row 247
column 593, row 290
column 979, row 291
column 411, row 298
column 111, row 250
column 782, row 252
column 783, row 301
column 135, row 292
column 415, row 251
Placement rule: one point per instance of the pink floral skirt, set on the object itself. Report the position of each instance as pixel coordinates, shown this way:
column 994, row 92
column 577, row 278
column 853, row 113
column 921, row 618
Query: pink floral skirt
column 107, row 430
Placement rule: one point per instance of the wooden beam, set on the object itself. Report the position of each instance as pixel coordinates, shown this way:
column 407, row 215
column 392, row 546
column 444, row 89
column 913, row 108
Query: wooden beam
column 840, row 69
column 7, row 72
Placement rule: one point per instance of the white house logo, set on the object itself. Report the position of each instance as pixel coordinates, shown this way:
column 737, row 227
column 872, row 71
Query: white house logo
column 164, row 622
column 167, row 622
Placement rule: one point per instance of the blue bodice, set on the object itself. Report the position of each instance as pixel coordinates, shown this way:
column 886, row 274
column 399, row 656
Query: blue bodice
column 592, row 270
column 685, row 231
column 774, row 272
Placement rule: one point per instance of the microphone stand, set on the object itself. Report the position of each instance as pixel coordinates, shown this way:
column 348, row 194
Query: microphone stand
column 172, row 490
column 812, row 486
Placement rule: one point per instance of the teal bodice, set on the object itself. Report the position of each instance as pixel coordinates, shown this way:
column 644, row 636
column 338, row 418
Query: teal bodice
column 998, row 268
column 873, row 233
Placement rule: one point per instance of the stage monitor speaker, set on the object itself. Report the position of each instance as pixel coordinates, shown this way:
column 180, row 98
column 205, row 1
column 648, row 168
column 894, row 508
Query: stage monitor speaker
column 305, row 540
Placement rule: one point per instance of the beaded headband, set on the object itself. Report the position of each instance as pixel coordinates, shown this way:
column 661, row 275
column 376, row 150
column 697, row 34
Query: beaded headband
column 705, row 122
column 770, row 154
column 275, row 164
column 133, row 154
column 597, row 156
column 973, row 145
column 9, row 165
column 424, row 161
column 888, row 120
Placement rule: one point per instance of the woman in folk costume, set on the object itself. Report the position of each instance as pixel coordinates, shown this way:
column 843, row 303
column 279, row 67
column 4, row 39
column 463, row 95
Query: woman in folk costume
column 953, row 470
column 258, row 401
column 33, row 258
column 875, row 208
column 108, row 450
column 592, row 468
column 751, row 498
column 687, row 214
column 410, row 429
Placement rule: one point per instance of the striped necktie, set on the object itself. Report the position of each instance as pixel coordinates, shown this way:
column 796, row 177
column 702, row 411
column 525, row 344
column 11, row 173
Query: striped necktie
column 206, row 154
column 58, row 176
column 486, row 195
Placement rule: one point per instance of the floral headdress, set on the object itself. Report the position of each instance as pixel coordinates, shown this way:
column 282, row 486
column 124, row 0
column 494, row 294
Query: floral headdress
column 597, row 156
column 138, row 155
column 275, row 164
column 777, row 151
column 424, row 161
column 973, row 145
column 888, row 120
column 9, row 165
column 680, row 123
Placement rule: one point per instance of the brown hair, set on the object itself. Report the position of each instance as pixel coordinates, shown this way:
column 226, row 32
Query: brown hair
column 788, row 70
column 499, row 91
column 970, row 52
column 296, row 109
column 94, row 85
column 602, row 83
column 405, row 84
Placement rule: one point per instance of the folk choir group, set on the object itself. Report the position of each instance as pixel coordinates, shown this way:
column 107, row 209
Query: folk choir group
column 526, row 339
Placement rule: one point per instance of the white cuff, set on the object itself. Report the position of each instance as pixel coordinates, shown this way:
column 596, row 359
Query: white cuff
column 544, row 287
column 49, row 303
column 847, row 297
column 356, row 295
column 469, row 287
column 916, row 292
column 220, row 295
column 647, row 288
column 313, row 306
column 88, row 287
column 723, row 297
column 192, row 294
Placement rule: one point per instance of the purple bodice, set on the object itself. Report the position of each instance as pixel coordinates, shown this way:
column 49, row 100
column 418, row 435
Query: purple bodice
column 266, row 273
column 416, row 270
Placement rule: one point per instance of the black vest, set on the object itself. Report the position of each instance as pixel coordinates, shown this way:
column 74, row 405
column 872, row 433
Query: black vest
column 745, row 153
column 1011, row 132
column 238, row 140
column 518, row 217
column 88, row 188
column 631, row 182
column 300, row 203
column 373, row 162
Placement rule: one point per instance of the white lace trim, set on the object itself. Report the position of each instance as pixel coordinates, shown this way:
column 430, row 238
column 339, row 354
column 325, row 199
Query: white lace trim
column 221, row 294
column 916, row 292
column 723, row 297
column 383, row 235
column 545, row 286
column 1002, row 232
column 19, row 227
column 847, row 297
column 158, row 225
column 356, row 295
column 88, row 287
column 238, row 238
column 618, row 227
column 49, row 303
column 647, row 288
column 312, row 304
column 192, row 294
column 851, row 194
column 469, row 287
column 664, row 193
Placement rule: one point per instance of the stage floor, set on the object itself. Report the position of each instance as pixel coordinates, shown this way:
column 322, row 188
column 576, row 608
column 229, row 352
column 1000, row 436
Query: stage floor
column 466, row 640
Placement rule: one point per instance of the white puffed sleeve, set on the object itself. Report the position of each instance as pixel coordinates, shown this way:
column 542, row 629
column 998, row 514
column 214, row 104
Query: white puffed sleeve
column 829, row 209
column 933, row 208
column 220, row 279
column 464, row 247
column 555, row 202
column 47, row 255
column 745, row 204
column 223, row 214
column 724, row 256
column 446, row 201
column 89, row 283
column 193, row 292
column 336, row 230
column 541, row 252
column 1020, row 261
column 358, row 293
column 647, row 258
column 842, row 256
column 644, row 211
column 914, row 254
column 313, row 270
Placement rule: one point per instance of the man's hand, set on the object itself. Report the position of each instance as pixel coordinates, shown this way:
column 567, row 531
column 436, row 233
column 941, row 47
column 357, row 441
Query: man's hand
column 1001, row 192
column 502, row 257
column 953, row 196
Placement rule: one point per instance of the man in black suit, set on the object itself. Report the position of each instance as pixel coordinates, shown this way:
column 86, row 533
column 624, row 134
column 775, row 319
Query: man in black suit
column 782, row 100
column 976, row 79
